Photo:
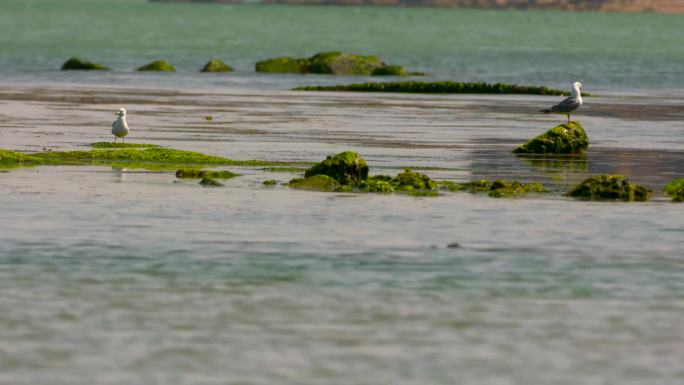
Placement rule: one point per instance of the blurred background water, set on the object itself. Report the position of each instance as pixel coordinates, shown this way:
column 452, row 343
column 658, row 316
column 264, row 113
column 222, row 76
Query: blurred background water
column 606, row 51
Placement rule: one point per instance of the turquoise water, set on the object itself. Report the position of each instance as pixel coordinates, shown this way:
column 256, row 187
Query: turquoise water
column 607, row 51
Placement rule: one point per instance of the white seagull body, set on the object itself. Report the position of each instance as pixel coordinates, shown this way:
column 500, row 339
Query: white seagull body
column 569, row 104
column 120, row 126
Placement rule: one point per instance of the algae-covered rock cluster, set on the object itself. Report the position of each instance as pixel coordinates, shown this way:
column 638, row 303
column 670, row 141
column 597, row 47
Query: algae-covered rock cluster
column 568, row 138
column 498, row 188
column 346, row 168
column 216, row 65
column 211, row 182
column 337, row 63
column 441, row 87
column 122, row 145
column 158, row 66
column 610, row 187
column 675, row 189
column 75, row 63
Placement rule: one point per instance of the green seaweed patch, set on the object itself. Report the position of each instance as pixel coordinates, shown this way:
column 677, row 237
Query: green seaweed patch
column 568, row 138
column 410, row 181
column 423, row 193
column 377, row 184
column 216, row 65
column 391, row 71
column 123, row 157
column 210, row 182
column 503, row 189
column 675, row 189
column 75, row 63
column 270, row 182
column 610, row 187
column 347, row 168
column 122, row 145
column 442, row 87
column 192, row 173
column 158, row 66
column 317, row 183
column 337, row 63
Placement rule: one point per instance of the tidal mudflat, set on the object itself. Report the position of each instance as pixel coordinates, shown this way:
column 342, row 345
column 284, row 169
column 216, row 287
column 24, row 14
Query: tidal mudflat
column 115, row 275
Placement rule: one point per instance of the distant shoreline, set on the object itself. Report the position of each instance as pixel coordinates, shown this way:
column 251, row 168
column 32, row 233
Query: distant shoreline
column 659, row 6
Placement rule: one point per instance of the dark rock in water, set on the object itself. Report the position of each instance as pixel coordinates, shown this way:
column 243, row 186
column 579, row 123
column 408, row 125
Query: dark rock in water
column 568, row 138
column 336, row 63
column 610, row 187
column 316, row 182
column 216, row 65
column 77, row 64
column 675, row 189
column 270, row 182
column 411, row 180
column 391, row 71
column 454, row 245
column 210, row 182
column 503, row 189
column 192, row 173
column 347, row 168
column 159, row 66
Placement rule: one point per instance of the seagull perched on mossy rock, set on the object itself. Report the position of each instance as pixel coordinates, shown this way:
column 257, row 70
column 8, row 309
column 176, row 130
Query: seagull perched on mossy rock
column 120, row 126
column 569, row 104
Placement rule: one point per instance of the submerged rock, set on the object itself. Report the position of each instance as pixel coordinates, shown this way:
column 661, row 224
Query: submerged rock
column 316, row 182
column 675, row 189
column 192, row 173
column 159, row 66
column 347, row 168
column 337, row 63
column 270, row 182
column 77, row 64
column 216, row 65
column 568, row 138
column 210, row 182
column 411, row 180
column 609, row 187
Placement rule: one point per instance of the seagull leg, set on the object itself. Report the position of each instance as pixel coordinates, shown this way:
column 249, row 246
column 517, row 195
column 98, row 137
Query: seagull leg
column 568, row 118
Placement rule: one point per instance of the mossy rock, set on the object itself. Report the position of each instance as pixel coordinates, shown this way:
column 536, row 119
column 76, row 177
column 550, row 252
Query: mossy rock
column 568, row 138
column 216, row 65
column 411, row 180
column 609, row 187
column 339, row 63
column 192, row 173
column 283, row 65
column 317, row 182
column 377, row 185
column 441, row 87
column 210, row 182
column 503, row 189
column 391, row 71
column 675, row 189
column 158, row 66
column 347, row 168
column 77, row 64
column 270, row 182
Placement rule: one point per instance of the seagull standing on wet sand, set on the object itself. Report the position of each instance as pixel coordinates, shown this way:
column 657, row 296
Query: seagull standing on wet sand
column 120, row 126
column 569, row 104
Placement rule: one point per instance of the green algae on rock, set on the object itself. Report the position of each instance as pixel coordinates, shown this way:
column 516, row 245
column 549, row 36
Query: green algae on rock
column 75, row 63
column 293, row 170
column 347, row 168
column 675, row 189
column 411, row 180
column 158, row 66
column 318, row 182
column 503, row 189
column 270, row 182
column 122, row 145
column 192, row 173
column 211, row 182
column 440, row 87
column 216, row 65
column 609, row 187
column 568, row 138
column 377, row 185
column 336, row 63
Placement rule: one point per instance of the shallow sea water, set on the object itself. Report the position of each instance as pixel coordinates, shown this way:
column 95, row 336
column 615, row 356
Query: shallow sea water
column 111, row 276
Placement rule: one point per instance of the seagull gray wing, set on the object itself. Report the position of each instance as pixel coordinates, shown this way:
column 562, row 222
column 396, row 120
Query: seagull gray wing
column 568, row 104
